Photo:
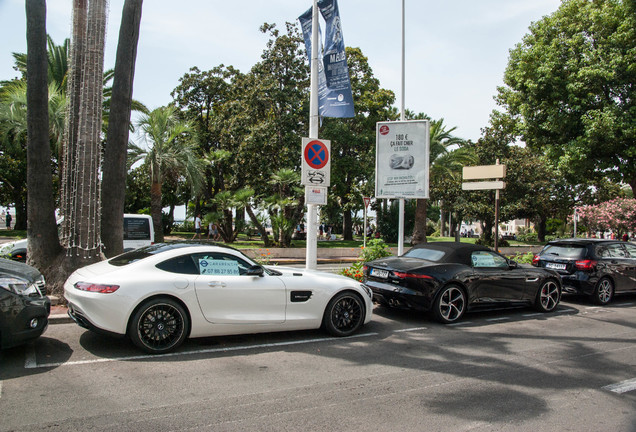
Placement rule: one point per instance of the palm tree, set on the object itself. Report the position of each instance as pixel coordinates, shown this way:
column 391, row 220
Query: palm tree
column 446, row 159
column 170, row 151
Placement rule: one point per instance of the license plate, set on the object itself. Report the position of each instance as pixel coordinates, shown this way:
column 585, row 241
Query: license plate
column 379, row 273
column 555, row 266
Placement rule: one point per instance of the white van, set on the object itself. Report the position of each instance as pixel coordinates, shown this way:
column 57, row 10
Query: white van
column 138, row 232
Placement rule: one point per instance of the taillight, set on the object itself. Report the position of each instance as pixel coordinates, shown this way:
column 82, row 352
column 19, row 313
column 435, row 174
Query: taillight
column 535, row 260
column 404, row 275
column 99, row 288
column 585, row 264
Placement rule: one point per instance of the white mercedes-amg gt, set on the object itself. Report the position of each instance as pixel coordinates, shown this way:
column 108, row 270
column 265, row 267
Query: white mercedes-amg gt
column 160, row 295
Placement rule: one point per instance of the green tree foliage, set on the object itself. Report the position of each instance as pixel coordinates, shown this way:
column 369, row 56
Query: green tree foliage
column 353, row 141
column 570, row 86
column 169, row 152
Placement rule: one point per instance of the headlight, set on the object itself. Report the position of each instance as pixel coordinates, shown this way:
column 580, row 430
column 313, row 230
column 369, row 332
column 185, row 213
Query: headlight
column 19, row 286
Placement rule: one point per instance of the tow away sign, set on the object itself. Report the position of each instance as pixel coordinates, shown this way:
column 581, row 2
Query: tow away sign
column 316, row 162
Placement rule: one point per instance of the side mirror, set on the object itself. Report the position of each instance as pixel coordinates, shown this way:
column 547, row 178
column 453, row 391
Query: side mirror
column 512, row 264
column 255, row 271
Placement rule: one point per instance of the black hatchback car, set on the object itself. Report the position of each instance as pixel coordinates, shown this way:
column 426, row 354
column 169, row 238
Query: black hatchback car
column 24, row 307
column 594, row 267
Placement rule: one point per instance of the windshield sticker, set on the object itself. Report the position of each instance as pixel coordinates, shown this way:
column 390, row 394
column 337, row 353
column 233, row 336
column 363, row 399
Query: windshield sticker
column 218, row 267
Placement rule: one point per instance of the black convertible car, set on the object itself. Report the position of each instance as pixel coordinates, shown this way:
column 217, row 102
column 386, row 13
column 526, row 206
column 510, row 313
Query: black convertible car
column 451, row 278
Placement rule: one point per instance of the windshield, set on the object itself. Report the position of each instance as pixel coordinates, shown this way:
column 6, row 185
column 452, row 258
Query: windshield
column 564, row 251
column 424, row 253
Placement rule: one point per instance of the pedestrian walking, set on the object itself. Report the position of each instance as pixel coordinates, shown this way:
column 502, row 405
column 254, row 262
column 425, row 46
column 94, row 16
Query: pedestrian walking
column 8, row 220
column 197, row 227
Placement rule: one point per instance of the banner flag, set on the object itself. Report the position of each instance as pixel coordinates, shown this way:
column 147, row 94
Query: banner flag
column 334, row 87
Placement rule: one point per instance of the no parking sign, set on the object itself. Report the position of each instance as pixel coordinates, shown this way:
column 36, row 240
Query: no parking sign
column 316, row 165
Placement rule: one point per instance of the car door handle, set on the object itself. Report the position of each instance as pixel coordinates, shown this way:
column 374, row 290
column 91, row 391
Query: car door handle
column 216, row 284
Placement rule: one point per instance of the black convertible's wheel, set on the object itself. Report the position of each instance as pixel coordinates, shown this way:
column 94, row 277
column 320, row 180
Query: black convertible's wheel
column 450, row 304
column 159, row 326
column 548, row 296
column 344, row 314
column 603, row 292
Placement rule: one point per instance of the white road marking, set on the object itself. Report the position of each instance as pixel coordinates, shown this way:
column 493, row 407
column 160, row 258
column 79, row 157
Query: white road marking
column 460, row 323
column 622, row 387
column 0, row 389
column 29, row 357
column 532, row 314
column 498, row 319
column 202, row 351
column 410, row 329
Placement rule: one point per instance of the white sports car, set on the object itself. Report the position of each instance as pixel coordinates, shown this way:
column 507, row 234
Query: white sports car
column 161, row 294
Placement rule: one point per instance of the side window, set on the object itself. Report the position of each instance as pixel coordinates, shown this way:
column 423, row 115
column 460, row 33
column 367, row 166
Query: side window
column 182, row 264
column 220, row 264
column 631, row 250
column 615, row 250
column 136, row 228
column 487, row 259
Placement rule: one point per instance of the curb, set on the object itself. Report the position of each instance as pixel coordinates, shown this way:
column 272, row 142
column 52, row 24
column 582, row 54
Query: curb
column 60, row 319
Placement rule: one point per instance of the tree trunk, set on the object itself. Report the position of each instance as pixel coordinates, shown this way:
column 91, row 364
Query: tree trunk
column 347, row 225
column 43, row 244
column 419, row 228
column 261, row 229
column 114, row 167
column 155, row 210
column 540, row 225
column 20, row 222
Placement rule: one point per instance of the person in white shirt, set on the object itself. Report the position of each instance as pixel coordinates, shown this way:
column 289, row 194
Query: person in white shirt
column 197, row 227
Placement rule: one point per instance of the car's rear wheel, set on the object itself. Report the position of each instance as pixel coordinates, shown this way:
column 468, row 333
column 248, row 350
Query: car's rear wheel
column 344, row 314
column 159, row 325
column 450, row 304
column 548, row 296
column 603, row 292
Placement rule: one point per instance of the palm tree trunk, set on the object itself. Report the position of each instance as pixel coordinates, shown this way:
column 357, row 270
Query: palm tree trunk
column 43, row 241
column 114, row 167
column 419, row 228
column 155, row 209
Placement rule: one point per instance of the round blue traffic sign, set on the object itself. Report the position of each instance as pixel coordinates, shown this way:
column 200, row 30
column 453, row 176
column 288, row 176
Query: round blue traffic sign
column 316, row 154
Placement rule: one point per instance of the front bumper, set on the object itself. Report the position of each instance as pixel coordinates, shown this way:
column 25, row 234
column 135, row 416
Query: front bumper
column 17, row 324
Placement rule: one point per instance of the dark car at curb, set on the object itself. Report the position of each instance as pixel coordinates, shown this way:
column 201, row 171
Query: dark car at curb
column 449, row 279
column 24, row 307
column 597, row 268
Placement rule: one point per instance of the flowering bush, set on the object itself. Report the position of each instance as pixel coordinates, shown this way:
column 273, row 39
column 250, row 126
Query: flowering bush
column 618, row 215
column 375, row 249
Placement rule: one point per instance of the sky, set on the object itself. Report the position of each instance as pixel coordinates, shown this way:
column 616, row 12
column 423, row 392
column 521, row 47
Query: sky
column 456, row 50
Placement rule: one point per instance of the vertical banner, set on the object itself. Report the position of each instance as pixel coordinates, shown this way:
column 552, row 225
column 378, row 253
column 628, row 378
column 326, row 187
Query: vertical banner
column 334, row 87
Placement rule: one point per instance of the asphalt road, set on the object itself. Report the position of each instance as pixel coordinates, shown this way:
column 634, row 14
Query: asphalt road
column 573, row 370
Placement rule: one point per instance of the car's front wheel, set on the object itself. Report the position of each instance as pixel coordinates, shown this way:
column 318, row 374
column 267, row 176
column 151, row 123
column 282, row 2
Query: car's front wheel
column 159, row 325
column 548, row 296
column 603, row 292
column 344, row 314
column 450, row 304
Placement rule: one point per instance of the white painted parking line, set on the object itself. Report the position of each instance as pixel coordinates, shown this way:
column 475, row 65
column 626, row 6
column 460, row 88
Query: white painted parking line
column 627, row 304
column 410, row 329
column 498, row 319
column 460, row 323
column 0, row 389
column 622, row 387
column 532, row 314
column 29, row 357
column 202, row 351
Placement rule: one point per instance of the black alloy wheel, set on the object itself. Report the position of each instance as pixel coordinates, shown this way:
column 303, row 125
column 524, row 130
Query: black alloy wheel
column 548, row 296
column 450, row 304
column 160, row 325
column 603, row 292
column 344, row 314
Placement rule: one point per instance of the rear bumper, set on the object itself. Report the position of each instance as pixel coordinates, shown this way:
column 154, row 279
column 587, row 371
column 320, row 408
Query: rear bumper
column 400, row 297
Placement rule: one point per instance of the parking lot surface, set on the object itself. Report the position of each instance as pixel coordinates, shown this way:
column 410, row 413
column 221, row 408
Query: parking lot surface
column 574, row 369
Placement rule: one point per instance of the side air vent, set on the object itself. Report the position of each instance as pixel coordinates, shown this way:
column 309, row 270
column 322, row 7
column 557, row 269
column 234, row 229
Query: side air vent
column 300, row 296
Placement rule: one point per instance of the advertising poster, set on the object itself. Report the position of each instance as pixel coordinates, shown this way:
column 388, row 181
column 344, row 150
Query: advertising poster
column 402, row 159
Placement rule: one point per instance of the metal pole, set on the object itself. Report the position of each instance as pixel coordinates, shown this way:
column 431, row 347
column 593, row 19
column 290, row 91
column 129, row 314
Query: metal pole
column 575, row 215
column 402, row 118
column 497, row 217
column 311, row 260
column 364, row 234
